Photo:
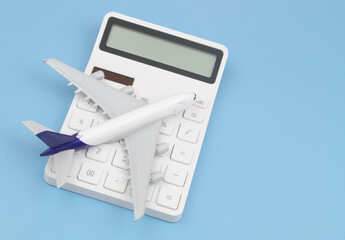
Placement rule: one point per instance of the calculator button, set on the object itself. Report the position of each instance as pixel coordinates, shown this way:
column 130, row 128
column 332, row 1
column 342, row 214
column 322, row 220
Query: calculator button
column 90, row 173
column 200, row 102
column 116, row 181
column 121, row 159
column 99, row 153
column 80, row 121
column 169, row 197
column 168, row 125
column 188, row 132
column 87, row 105
column 70, row 173
column 182, row 154
column 194, row 114
column 176, row 176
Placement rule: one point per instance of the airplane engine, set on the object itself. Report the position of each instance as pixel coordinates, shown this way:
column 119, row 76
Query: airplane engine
column 99, row 75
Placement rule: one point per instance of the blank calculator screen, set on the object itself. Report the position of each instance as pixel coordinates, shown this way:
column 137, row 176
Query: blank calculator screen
column 161, row 50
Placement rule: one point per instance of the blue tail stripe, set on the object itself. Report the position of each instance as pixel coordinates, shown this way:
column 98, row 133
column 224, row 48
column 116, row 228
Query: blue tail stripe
column 77, row 144
column 53, row 139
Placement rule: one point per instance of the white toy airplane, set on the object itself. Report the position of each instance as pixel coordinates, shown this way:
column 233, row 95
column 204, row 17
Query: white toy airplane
column 136, row 122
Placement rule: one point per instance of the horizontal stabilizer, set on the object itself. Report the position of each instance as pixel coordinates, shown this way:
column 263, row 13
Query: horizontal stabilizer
column 54, row 139
column 49, row 137
column 35, row 127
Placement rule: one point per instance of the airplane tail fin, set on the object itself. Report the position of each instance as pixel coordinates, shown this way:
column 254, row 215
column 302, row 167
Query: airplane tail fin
column 63, row 159
column 50, row 138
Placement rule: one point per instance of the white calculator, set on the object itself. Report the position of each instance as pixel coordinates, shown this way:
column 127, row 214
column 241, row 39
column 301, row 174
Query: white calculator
column 158, row 62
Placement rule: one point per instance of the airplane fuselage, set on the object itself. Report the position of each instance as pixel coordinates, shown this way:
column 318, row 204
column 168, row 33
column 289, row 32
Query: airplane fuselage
column 119, row 127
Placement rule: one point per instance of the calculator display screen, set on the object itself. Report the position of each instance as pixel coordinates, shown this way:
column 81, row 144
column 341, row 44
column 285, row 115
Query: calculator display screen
column 162, row 50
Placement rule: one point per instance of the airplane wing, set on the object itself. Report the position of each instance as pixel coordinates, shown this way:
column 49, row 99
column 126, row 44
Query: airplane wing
column 140, row 145
column 112, row 101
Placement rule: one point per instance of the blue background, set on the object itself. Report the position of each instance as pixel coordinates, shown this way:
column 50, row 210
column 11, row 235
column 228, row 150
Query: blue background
column 272, row 164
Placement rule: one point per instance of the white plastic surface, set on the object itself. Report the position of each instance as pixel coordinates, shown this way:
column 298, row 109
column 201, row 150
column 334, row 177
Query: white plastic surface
column 138, row 124
column 35, row 127
column 63, row 162
column 136, row 119
column 166, row 201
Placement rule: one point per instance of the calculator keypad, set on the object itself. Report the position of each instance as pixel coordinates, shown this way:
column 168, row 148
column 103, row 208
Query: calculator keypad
column 200, row 102
column 175, row 175
column 182, row 154
column 90, row 173
column 168, row 126
column 169, row 197
column 81, row 120
column 116, row 181
column 99, row 153
column 121, row 159
column 188, row 132
column 194, row 114
column 107, row 165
